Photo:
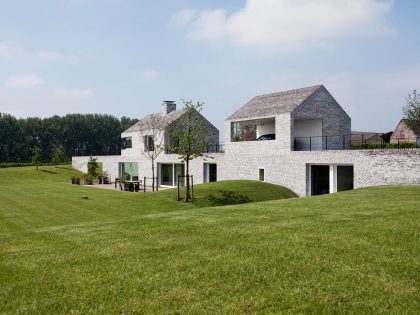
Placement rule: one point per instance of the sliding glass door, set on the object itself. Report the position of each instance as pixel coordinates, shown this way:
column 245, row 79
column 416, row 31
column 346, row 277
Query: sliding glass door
column 179, row 171
column 167, row 178
column 129, row 170
column 169, row 174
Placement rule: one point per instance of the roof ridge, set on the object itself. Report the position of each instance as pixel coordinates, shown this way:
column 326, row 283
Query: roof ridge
column 276, row 103
column 318, row 86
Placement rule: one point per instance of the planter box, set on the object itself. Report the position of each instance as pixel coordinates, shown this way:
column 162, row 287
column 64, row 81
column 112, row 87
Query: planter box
column 75, row 181
column 103, row 180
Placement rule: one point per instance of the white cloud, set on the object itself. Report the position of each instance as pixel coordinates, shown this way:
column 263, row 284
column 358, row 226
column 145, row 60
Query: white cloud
column 24, row 81
column 8, row 49
column 284, row 24
column 73, row 93
column 57, row 56
column 150, row 74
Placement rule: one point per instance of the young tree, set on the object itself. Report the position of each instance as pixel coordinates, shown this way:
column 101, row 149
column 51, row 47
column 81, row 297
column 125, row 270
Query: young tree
column 58, row 156
column 92, row 167
column 151, row 132
column 412, row 112
column 36, row 157
column 191, row 137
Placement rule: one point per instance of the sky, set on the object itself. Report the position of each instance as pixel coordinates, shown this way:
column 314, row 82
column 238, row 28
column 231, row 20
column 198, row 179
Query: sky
column 124, row 57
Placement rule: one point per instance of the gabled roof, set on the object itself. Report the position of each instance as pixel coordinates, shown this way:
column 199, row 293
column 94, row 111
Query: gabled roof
column 275, row 103
column 169, row 118
column 403, row 122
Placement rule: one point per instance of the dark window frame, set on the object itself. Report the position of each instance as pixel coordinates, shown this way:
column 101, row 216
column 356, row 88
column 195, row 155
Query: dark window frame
column 149, row 144
column 127, row 143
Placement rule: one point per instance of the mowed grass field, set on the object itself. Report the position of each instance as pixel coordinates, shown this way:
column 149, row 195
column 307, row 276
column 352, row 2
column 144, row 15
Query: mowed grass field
column 119, row 252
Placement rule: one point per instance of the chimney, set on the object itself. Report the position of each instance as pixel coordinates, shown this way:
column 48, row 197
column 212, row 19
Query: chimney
column 168, row 106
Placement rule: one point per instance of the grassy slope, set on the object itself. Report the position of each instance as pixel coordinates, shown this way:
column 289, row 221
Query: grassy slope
column 356, row 251
column 235, row 192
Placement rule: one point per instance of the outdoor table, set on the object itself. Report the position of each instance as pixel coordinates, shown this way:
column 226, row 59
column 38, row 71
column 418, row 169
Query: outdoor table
column 134, row 182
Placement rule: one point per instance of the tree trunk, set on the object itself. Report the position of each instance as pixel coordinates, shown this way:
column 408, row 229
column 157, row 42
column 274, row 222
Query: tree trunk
column 187, row 188
column 153, row 175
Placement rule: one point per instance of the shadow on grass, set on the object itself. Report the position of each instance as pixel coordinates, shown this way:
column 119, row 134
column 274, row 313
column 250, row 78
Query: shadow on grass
column 224, row 197
column 49, row 172
column 65, row 168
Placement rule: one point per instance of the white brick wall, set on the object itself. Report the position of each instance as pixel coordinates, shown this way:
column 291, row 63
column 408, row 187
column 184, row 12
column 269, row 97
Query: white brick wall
column 283, row 166
column 371, row 167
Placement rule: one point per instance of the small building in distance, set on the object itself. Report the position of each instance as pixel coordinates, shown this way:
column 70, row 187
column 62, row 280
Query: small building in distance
column 403, row 133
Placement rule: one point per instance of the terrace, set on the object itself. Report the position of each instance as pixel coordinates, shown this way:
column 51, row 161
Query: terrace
column 354, row 142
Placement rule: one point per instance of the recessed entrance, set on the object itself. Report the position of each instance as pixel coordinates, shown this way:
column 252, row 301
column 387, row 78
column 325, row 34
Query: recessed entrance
column 261, row 175
column 210, row 172
column 320, row 179
column 330, row 178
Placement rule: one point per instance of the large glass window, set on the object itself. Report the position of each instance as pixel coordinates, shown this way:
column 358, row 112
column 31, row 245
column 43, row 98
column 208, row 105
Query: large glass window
column 129, row 170
column 345, row 177
column 169, row 174
column 179, row 171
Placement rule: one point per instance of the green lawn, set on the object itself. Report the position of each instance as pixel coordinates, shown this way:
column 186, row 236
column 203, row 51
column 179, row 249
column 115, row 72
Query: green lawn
column 117, row 252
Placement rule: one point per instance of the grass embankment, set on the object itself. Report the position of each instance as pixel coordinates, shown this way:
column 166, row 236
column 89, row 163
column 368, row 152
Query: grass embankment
column 354, row 252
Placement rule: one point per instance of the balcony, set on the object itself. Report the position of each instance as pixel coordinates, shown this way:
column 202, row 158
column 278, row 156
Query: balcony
column 354, row 142
column 321, row 143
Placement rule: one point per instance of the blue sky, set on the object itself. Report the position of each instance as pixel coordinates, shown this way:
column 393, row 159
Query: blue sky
column 123, row 57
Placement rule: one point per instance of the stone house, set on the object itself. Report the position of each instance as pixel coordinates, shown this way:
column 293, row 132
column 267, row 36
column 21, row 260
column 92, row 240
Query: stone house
column 403, row 133
column 134, row 164
column 302, row 141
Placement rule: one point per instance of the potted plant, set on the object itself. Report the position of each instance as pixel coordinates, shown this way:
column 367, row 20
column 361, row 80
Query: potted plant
column 75, row 180
column 127, row 185
column 105, row 178
column 88, row 179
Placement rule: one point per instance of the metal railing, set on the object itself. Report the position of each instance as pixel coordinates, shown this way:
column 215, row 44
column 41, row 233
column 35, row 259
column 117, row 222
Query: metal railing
column 355, row 142
column 384, row 141
column 320, row 143
column 218, row 148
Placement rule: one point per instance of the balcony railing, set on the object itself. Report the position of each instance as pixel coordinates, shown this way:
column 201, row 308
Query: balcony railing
column 354, row 142
column 320, row 143
column 218, row 148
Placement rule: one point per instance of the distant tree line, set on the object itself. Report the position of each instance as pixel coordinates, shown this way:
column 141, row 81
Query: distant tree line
column 73, row 134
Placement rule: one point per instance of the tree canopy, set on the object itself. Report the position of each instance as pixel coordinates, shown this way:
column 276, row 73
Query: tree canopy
column 75, row 134
column 191, row 137
column 412, row 112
